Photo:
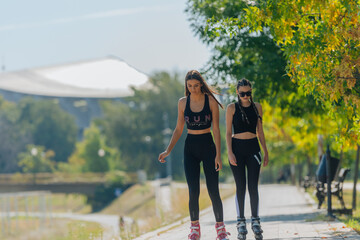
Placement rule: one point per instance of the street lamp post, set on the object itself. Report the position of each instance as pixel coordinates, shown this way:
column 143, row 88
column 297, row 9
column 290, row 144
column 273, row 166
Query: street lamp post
column 101, row 152
column 328, row 182
column 34, row 153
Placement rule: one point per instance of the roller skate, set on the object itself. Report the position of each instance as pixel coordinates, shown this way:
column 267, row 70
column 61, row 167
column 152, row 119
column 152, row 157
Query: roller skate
column 241, row 228
column 255, row 226
column 195, row 231
column 221, row 232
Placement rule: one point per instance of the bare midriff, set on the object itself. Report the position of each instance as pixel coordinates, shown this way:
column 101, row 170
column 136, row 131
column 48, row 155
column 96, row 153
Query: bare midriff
column 244, row 135
column 202, row 131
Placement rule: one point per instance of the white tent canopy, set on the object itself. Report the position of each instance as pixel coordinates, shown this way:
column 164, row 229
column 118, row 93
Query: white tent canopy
column 102, row 78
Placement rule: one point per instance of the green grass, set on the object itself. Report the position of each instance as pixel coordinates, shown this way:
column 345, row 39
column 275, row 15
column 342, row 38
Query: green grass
column 58, row 202
column 350, row 221
column 56, row 229
column 82, row 231
column 52, row 177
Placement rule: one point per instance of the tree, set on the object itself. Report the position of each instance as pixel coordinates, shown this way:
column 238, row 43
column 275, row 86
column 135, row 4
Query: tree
column 93, row 155
column 136, row 126
column 256, row 56
column 36, row 160
column 49, row 125
column 320, row 40
column 14, row 137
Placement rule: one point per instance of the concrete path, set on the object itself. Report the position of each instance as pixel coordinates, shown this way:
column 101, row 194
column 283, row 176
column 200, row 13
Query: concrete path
column 350, row 185
column 285, row 211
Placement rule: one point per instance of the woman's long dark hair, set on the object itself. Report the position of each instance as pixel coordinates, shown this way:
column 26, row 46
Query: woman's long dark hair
column 193, row 74
column 245, row 82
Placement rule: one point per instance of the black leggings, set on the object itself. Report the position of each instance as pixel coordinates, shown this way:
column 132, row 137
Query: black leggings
column 201, row 148
column 247, row 153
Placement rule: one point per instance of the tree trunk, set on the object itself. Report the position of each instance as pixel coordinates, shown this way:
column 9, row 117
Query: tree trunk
column 292, row 171
column 300, row 167
column 320, row 149
column 310, row 172
column 340, row 163
column 356, row 177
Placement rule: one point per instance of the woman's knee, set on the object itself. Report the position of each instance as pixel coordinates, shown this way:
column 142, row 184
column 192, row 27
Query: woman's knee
column 253, row 189
column 194, row 193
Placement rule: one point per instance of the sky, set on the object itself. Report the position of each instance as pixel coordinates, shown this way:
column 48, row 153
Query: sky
column 150, row 35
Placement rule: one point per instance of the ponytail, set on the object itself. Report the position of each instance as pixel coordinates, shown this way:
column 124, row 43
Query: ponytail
column 255, row 108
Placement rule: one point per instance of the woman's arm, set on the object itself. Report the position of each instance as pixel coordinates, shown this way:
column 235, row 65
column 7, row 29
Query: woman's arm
column 214, row 107
column 177, row 131
column 261, row 136
column 229, row 118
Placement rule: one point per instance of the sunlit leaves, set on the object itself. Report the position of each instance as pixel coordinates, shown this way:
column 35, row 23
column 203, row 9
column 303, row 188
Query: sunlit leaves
column 321, row 41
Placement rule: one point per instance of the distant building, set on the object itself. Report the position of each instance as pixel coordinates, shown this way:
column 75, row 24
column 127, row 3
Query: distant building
column 76, row 86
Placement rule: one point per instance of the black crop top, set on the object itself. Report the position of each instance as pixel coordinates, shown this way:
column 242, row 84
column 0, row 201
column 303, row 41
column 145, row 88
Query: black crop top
column 198, row 120
column 241, row 126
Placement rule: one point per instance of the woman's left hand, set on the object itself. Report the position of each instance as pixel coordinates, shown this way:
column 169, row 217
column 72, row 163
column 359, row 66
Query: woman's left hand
column 218, row 163
column 266, row 159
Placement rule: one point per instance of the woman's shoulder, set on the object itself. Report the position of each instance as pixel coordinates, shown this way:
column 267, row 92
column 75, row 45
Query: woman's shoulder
column 212, row 100
column 258, row 105
column 182, row 103
column 182, row 99
column 231, row 107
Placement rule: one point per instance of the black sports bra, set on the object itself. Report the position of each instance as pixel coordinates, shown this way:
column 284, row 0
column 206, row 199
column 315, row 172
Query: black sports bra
column 198, row 120
column 241, row 126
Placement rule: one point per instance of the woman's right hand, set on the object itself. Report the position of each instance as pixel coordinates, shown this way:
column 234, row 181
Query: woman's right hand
column 162, row 156
column 232, row 159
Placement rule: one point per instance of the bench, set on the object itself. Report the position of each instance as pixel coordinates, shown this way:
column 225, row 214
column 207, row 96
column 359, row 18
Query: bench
column 336, row 190
column 307, row 182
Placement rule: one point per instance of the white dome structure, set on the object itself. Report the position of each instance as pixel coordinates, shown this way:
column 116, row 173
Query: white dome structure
column 77, row 87
column 102, row 78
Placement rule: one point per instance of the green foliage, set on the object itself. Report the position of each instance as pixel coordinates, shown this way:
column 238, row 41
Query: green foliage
column 240, row 52
column 253, row 56
column 38, row 122
column 93, row 155
column 135, row 126
column 36, row 160
column 320, row 40
column 117, row 178
column 49, row 126
column 14, row 137
column 82, row 230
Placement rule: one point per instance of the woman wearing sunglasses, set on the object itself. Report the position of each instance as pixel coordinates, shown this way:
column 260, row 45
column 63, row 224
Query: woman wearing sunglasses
column 245, row 117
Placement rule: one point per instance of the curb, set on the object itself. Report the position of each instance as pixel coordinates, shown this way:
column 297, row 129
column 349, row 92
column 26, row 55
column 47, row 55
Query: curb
column 166, row 228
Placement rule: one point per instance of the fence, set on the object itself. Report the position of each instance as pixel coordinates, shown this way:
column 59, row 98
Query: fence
column 24, row 206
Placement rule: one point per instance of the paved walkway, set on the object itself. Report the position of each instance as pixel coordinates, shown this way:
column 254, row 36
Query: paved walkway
column 350, row 185
column 285, row 212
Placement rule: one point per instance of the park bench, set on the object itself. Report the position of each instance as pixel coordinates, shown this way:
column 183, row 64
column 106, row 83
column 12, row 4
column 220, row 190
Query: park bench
column 307, row 182
column 336, row 190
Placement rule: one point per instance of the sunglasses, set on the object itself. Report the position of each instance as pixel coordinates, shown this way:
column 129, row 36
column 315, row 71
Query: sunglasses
column 243, row 94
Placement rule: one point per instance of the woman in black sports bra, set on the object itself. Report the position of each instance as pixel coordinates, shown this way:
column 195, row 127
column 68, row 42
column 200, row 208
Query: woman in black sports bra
column 245, row 117
column 198, row 110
